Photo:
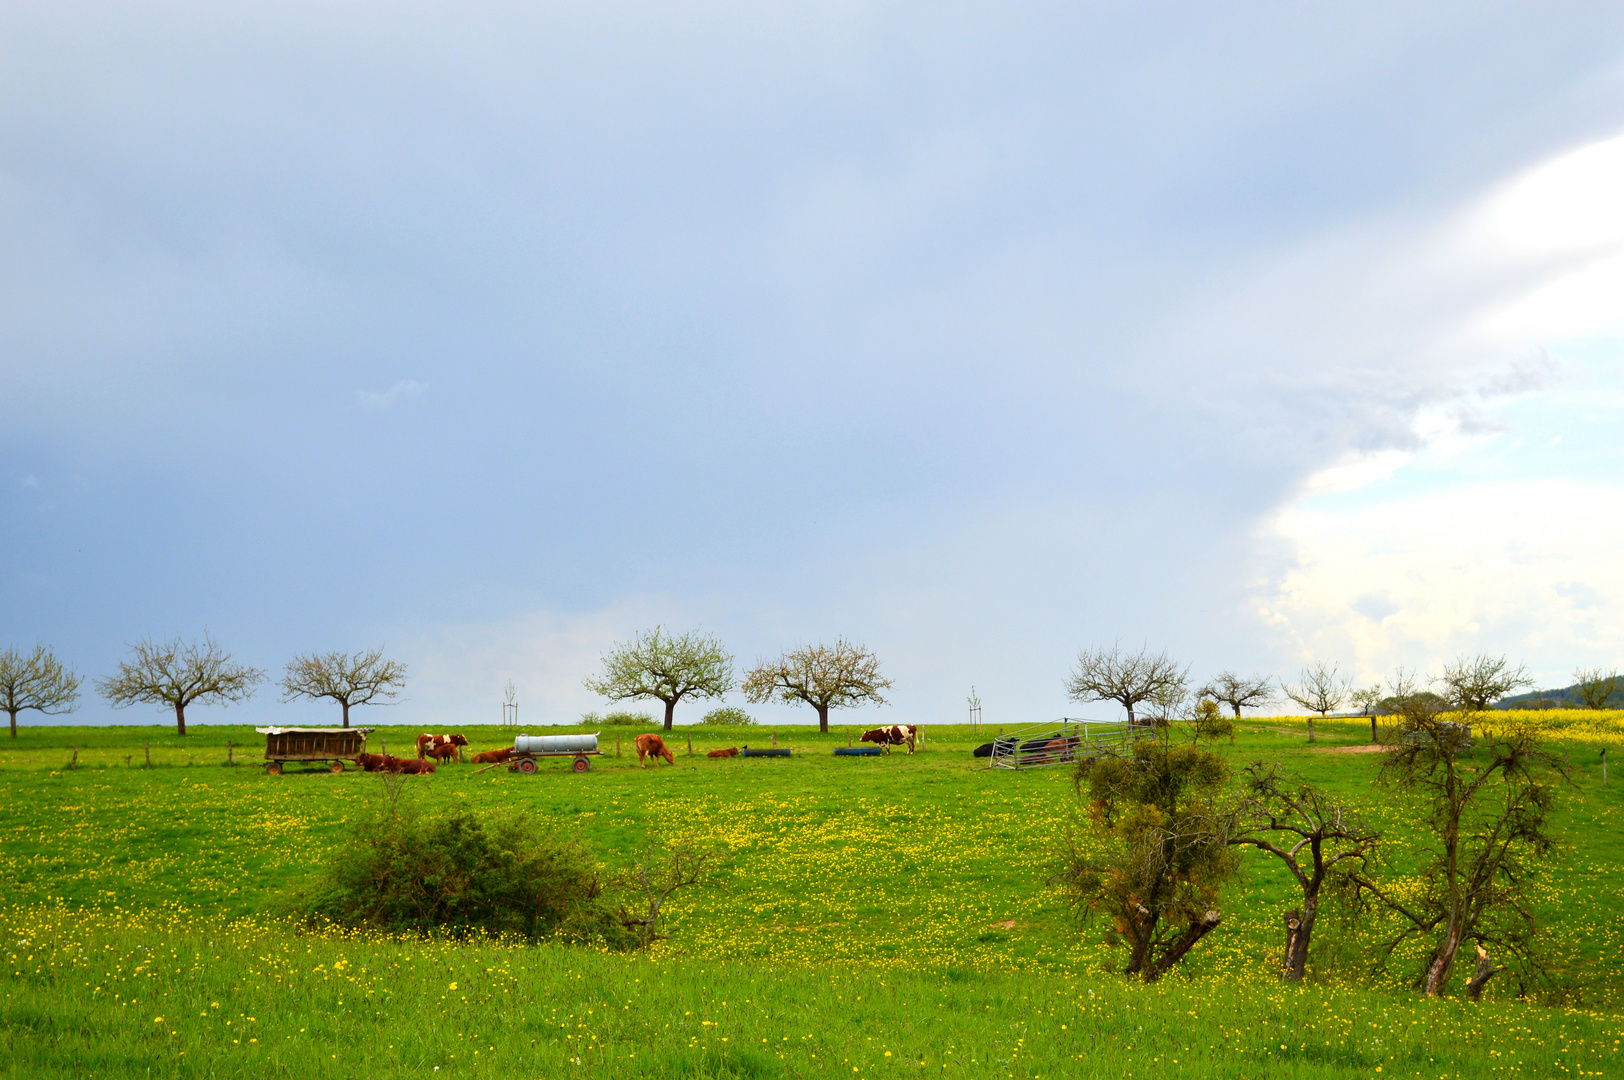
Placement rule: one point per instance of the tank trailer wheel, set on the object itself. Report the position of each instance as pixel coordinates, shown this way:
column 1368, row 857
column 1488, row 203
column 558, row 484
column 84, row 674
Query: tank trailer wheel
column 582, row 764
column 527, row 766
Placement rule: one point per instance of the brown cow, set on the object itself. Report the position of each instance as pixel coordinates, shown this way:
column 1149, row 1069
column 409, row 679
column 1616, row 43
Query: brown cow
column 413, row 766
column 492, row 757
column 372, row 762
column 445, row 752
column 729, row 752
column 426, row 743
column 652, row 746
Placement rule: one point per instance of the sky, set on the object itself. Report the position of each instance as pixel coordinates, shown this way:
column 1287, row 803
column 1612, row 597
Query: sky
column 493, row 334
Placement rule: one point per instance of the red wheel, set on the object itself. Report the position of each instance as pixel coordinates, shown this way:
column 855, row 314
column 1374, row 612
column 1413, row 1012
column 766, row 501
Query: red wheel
column 274, row 768
column 338, row 766
column 582, row 764
column 527, row 766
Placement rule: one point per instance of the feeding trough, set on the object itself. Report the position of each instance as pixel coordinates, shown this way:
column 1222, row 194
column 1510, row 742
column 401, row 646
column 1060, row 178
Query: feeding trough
column 1061, row 742
column 858, row 751
column 782, row 751
column 334, row 745
column 527, row 749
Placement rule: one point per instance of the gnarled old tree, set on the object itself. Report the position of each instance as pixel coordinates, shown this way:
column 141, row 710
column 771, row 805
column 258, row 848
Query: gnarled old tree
column 1319, row 691
column 1155, row 856
column 1319, row 839
column 1125, row 678
column 665, row 668
column 1595, row 686
column 1487, row 808
column 176, row 674
column 37, row 681
column 349, row 680
column 822, row 676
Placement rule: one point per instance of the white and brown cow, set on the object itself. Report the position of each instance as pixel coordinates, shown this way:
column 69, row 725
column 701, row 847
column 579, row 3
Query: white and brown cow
column 895, row 735
column 440, row 746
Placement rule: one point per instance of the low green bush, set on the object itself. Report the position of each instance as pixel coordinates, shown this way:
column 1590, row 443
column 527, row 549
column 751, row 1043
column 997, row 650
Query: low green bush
column 458, row 872
column 618, row 718
column 729, row 715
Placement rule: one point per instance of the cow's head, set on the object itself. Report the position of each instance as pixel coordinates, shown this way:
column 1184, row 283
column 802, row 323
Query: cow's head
column 459, row 740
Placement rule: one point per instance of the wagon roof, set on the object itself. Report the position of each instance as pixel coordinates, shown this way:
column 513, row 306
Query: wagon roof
column 311, row 730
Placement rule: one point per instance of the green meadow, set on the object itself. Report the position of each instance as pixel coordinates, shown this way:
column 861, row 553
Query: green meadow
column 878, row 915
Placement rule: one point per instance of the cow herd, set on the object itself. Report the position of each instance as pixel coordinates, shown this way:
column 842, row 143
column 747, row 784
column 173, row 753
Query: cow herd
column 437, row 749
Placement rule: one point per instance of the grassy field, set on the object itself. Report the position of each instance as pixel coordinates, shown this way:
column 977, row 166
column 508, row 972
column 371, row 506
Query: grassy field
column 880, row 914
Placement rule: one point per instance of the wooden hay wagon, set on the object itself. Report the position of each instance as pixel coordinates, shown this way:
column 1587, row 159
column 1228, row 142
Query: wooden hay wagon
column 335, row 745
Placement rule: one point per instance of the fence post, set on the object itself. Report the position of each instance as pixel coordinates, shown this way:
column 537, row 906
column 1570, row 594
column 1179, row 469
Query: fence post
column 617, row 746
column 74, row 764
column 229, row 760
column 690, row 744
column 1604, row 767
column 148, row 748
column 775, row 740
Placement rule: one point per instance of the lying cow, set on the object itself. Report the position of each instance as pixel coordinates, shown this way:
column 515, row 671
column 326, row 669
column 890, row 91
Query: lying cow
column 652, row 746
column 426, row 743
column 895, row 735
column 492, row 757
column 413, row 766
column 731, row 751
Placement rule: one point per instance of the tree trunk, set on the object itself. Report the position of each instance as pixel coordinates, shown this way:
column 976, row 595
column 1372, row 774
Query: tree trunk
column 1143, row 934
column 823, row 719
column 180, row 718
column 1485, row 971
column 1443, row 961
column 670, row 712
column 13, row 713
column 1197, row 930
column 1373, row 728
column 1131, row 720
column 1299, row 931
column 346, row 712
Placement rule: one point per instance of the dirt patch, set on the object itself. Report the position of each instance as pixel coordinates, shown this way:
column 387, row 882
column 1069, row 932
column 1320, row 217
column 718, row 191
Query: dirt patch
column 1367, row 748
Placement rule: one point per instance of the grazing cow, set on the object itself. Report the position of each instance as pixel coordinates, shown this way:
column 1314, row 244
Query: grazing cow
column 492, row 757
column 652, row 746
column 427, row 742
column 729, row 752
column 895, row 735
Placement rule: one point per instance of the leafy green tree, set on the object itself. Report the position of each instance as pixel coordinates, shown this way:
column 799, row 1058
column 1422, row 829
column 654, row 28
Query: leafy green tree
column 1154, row 858
column 176, row 674
column 349, row 680
column 37, row 681
column 665, row 668
column 825, row 677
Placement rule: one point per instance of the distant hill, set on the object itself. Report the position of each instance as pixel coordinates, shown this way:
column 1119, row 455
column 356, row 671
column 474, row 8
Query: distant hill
column 1566, row 698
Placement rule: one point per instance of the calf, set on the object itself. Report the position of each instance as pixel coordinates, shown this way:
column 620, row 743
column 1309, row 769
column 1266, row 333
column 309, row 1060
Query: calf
column 492, row 757
column 652, row 746
column 444, row 752
column 427, row 742
column 729, row 752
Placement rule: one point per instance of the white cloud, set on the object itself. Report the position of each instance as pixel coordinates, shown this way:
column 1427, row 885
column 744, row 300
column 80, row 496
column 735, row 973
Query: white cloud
column 1528, row 568
column 1357, row 471
column 373, row 401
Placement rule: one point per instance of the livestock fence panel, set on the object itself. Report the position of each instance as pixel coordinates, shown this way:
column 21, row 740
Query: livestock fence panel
column 1062, row 741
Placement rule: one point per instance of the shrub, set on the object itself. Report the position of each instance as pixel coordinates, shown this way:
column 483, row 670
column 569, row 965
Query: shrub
column 729, row 715
column 622, row 718
column 459, row 872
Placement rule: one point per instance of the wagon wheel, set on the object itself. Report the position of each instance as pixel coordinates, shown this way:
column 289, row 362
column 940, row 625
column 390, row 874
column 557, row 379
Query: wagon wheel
column 274, row 768
column 527, row 766
column 582, row 764
column 338, row 766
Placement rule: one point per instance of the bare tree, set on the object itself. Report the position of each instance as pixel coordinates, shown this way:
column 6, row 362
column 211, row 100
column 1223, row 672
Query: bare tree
column 175, row 673
column 665, row 668
column 1488, row 809
column 1319, row 691
column 1126, row 678
column 1239, row 692
column 38, row 681
column 1368, row 699
column 825, row 677
column 349, row 680
column 1595, row 686
column 1324, row 844
column 654, row 876
column 1474, row 683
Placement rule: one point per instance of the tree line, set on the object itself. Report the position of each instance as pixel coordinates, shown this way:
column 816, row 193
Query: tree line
column 654, row 665
column 1163, row 823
